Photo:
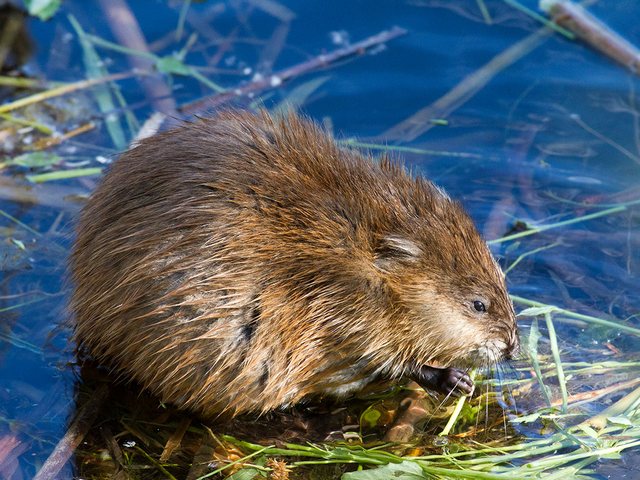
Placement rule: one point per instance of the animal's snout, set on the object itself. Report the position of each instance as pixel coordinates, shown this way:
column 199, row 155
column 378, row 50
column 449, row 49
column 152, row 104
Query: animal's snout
column 513, row 347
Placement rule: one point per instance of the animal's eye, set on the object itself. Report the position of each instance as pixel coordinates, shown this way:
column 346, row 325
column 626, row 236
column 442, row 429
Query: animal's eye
column 479, row 306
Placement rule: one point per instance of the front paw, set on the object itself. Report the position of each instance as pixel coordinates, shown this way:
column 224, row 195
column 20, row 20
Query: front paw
column 449, row 381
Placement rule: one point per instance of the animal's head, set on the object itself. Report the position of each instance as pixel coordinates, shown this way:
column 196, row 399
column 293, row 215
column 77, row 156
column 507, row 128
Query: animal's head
column 450, row 297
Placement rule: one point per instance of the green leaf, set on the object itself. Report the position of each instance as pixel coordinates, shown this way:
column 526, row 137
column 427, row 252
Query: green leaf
column 527, row 418
column 619, row 420
column 62, row 174
column 250, row 472
column 18, row 243
column 370, row 416
column 247, row 473
column 588, row 430
column 406, row 470
column 43, row 9
column 35, row 159
column 611, row 456
column 171, row 64
column 439, row 121
column 535, row 311
column 95, row 68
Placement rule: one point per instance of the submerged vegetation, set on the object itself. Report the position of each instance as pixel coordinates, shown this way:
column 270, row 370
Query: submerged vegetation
column 569, row 403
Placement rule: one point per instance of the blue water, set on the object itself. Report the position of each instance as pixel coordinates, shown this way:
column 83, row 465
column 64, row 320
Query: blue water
column 545, row 134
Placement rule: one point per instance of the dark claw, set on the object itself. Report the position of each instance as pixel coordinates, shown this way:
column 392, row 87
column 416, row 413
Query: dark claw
column 449, row 381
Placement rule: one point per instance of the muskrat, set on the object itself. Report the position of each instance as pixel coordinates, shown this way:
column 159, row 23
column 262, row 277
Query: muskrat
column 242, row 263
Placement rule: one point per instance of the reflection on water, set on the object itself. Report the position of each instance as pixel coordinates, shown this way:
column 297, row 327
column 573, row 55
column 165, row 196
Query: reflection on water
column 552, row 137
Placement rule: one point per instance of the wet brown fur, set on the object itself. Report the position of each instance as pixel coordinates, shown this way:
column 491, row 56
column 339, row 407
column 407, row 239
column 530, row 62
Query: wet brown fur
column 242, row 263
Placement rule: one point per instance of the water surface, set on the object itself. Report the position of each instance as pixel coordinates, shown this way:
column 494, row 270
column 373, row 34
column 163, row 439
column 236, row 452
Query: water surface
column 552, row 136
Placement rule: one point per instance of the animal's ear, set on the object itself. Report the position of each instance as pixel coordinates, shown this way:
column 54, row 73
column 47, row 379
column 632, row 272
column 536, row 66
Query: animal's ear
column 395, row 249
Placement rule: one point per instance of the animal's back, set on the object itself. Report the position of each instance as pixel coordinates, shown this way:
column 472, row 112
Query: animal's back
column 178, row 248
column 230, row 264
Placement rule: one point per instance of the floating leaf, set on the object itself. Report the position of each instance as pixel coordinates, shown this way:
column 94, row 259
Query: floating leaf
column 247, row 473
column 43, row 9
column 589, row 430
column 620, row 421
column 35, row 159
column 370, row 416
column 18, row 243
column 174, row 65
column 439, row 121
column 535, row 311
column 611, row 456
column 406, row 470
column 527, row 418
column 94, row 67
column 62, row 174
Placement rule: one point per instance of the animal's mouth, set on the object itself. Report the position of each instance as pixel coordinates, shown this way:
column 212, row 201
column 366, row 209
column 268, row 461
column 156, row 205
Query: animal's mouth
column 496, row 351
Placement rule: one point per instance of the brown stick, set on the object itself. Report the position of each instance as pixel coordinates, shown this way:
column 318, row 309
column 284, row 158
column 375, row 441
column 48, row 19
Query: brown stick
column 83, row 420
column 125, row 28
column 275, row 80
column 10, row 450
column 49, row 142
column 593, row 395
column 63, row 90
column 175, row 439
column 593, row 32
column 419, row 122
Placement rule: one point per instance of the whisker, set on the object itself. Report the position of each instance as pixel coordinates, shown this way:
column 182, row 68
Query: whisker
column 512, row 398
column 500, row 387
column 485, row 374
column 441, row 404
column 430, row 417
column 453, row 389
column 486, row 411
column 478, row 414
column 504, row 423
column 500, row 396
